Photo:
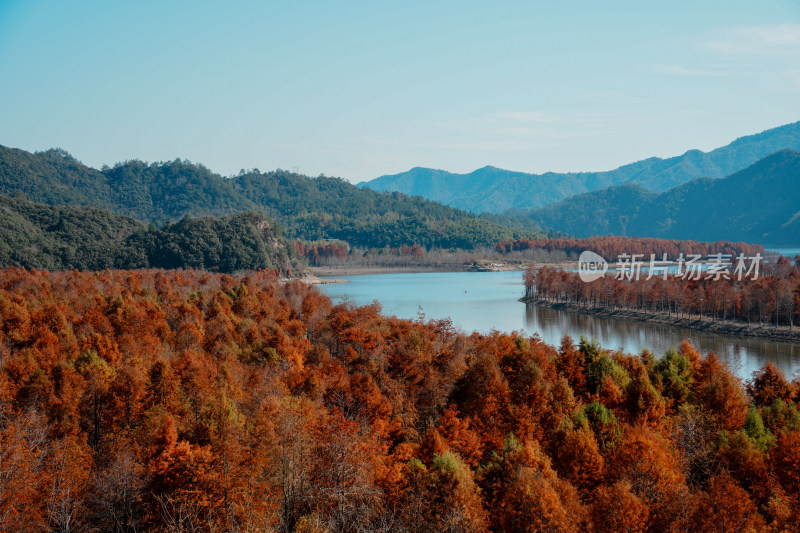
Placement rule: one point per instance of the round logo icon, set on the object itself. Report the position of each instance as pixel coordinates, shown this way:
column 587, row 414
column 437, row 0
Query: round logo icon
column 591, row 266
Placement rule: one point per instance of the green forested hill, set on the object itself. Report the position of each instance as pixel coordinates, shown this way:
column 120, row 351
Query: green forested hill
column 52, row 177
column 36, row 235
column 308, row 208
column 55, row 237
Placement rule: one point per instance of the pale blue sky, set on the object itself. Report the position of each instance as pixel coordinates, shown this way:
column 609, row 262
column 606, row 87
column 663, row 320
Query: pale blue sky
column 360, row 89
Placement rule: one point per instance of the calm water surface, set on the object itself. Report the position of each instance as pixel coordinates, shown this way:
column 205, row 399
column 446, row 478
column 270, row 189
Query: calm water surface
column 788, row 252
column 483, row 301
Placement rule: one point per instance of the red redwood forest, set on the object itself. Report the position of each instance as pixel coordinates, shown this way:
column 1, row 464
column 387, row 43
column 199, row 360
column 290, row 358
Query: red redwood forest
column 189, row 401
column 771, row 298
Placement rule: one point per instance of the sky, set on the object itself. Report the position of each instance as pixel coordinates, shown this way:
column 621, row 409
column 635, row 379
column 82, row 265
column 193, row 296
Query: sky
column 362, row 89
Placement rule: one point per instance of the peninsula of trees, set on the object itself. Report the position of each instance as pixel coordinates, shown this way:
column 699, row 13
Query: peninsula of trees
column 769, row 301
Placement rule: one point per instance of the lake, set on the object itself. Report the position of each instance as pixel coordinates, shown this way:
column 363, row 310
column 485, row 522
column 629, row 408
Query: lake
column 787, row 252
column 485, row 301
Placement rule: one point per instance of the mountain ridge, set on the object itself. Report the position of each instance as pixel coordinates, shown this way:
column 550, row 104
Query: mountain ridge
column 496, row 190
column 757, row 204
column 310, row 208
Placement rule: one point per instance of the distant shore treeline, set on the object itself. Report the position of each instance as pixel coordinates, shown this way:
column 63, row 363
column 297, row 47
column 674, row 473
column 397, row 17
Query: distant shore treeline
column 610, row 247
column 338, row 255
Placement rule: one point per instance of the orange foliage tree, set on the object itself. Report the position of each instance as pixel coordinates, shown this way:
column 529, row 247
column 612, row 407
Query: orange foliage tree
column 184, row 400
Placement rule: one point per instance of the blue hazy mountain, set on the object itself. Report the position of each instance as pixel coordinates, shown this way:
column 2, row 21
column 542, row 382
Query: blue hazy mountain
column 495, row 190
column 759, row 204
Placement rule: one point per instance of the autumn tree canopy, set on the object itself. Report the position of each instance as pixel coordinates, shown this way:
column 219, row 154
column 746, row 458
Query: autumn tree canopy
column 190, row 401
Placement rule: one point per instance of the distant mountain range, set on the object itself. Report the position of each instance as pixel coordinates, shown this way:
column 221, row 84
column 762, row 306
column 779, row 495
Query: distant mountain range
column 495, row 190
column 307, row 208
column 760, row 204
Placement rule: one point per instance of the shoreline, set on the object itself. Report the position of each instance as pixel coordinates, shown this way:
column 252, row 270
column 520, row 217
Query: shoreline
column 728, row 327
column 309, row 278
column 325, row 272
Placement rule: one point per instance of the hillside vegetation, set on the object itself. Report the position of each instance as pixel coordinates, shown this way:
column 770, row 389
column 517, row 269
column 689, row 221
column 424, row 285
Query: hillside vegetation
column 308, row 208
column 35, row 235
